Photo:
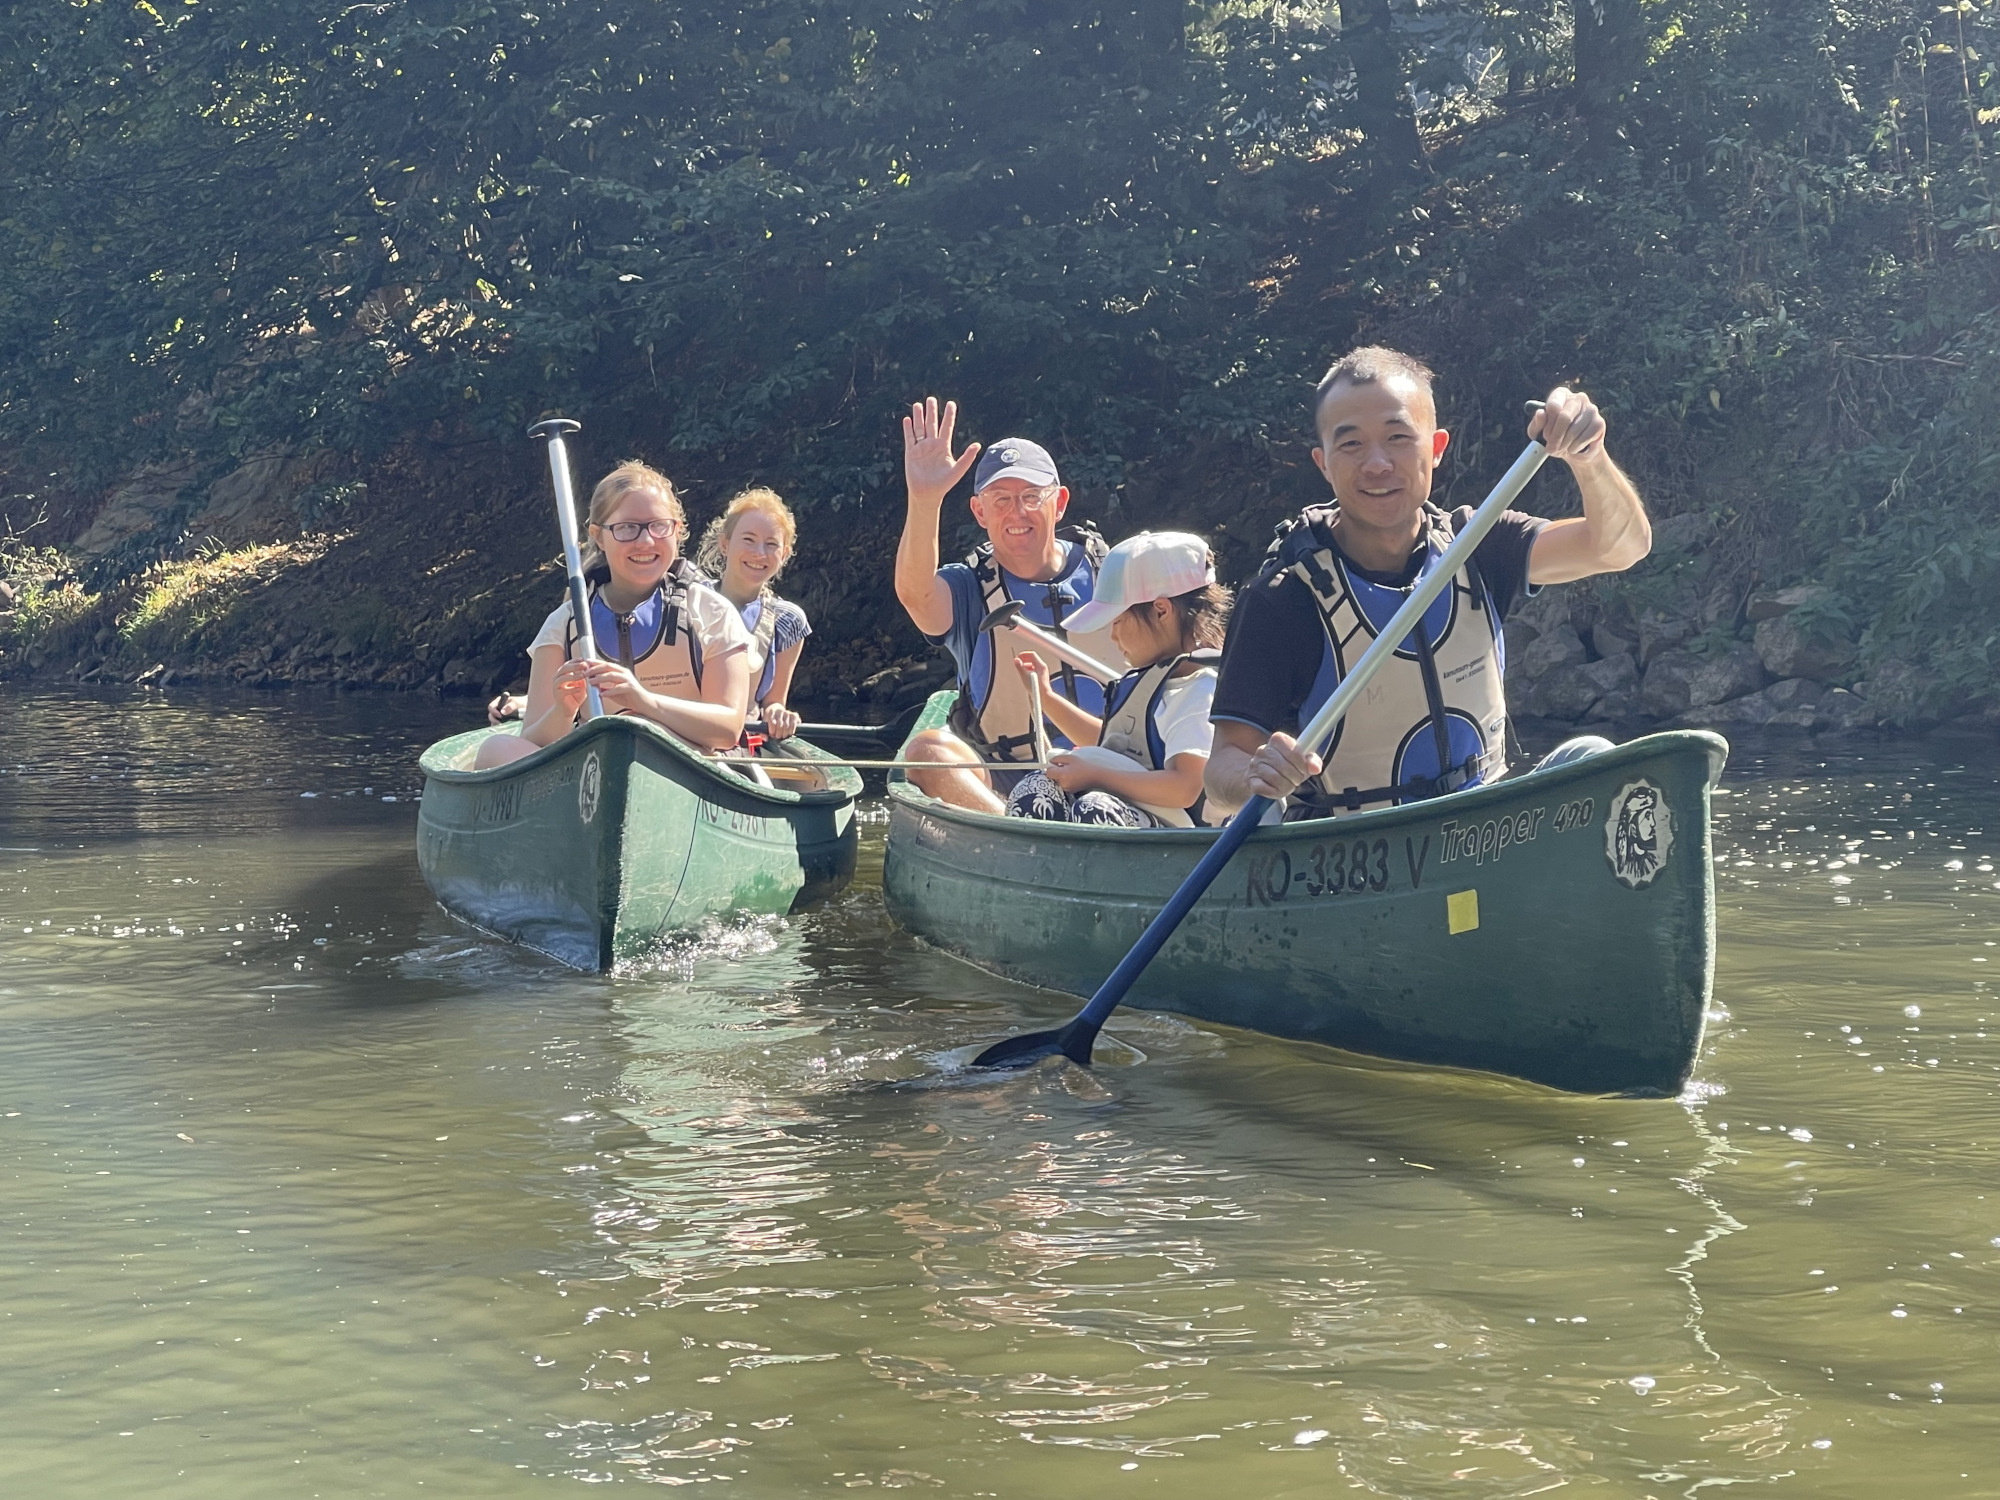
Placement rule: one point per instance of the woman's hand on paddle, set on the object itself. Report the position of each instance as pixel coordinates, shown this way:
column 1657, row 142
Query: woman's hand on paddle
column 1570, row 426
column 928, row 467
column 569, row 683
column 616, row 687
column 1280, row 768
column 780, row 723
column 506, row 706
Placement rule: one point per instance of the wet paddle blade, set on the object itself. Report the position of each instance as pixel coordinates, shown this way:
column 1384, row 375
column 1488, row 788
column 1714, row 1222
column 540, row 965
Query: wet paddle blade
column 1073, row 1041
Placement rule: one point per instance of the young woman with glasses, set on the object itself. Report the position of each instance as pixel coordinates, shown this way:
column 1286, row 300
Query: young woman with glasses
column 671, row 648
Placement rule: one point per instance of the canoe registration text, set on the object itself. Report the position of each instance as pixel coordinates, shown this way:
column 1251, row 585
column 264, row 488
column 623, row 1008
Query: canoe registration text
column 1332, row 868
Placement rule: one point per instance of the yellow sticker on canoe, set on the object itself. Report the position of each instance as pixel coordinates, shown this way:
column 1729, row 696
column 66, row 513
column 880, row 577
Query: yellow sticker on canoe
column 1461, row 911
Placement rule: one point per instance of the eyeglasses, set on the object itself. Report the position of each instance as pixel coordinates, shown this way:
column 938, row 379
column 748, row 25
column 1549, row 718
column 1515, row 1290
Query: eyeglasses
column 631, row 531
column 1027, row 502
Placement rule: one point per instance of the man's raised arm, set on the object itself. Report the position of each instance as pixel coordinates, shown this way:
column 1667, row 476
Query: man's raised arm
column 1612, row 533
column 929, row 471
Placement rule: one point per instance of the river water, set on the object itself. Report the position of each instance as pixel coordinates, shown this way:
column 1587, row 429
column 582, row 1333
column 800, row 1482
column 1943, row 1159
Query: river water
column 311, row 1191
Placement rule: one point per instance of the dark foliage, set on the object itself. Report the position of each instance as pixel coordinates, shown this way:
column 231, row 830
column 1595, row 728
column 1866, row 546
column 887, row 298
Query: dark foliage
column 738, row 239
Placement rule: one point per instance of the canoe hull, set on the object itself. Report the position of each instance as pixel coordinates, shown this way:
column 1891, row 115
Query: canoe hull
column 1558, row 927
column 594, row 848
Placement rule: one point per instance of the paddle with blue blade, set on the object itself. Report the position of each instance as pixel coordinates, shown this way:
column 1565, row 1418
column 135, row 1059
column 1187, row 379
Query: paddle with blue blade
column 1076, row 1040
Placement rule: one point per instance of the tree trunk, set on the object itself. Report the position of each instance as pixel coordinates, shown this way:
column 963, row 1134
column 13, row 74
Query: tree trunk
column 1381, row 92
column 1610, row 48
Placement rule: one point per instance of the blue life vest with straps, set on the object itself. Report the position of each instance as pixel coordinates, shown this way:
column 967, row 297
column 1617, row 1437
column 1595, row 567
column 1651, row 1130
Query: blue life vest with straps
column 763, row 636
column 992, row 710
column 653, row 640
column 1434, row 719
column 1131, row 715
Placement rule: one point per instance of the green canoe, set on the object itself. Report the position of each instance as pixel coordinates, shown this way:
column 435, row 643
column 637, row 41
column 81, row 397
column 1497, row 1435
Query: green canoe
column 593, row 847
column 1559, row 926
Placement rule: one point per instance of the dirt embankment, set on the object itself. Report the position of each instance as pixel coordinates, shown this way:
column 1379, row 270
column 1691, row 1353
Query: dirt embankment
column 431, row 570
column 427, row 571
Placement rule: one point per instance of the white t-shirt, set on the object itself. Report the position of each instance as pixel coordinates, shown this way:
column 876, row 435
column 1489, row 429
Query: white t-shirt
column 711, row 618
column 1183, row 716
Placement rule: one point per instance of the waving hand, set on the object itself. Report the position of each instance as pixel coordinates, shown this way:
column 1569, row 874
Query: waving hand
column 928, row 467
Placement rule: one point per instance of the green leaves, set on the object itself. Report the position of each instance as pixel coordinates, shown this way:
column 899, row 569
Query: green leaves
column 738, row 239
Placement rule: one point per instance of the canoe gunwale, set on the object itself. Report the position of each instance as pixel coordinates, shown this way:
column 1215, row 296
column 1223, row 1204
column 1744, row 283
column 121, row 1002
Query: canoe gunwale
column 692, row 768
column 1645, row 748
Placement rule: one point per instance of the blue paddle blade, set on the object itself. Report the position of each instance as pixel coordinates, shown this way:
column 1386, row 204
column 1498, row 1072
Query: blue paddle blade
column 1073, row 1041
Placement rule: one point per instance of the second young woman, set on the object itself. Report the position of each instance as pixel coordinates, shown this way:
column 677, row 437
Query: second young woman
column 746, row 548
column 670, row 648
column 1141, row 765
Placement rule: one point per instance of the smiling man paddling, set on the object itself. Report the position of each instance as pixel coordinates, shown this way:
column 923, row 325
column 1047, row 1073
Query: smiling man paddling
column 1435, row 719
column 1018, row 499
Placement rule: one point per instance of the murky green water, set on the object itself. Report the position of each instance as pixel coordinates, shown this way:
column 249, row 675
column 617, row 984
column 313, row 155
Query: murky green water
column 309, row 1191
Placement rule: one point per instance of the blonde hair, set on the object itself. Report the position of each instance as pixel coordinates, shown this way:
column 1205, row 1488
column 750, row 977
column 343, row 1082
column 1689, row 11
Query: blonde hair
column 628, row 477
column 765, row 501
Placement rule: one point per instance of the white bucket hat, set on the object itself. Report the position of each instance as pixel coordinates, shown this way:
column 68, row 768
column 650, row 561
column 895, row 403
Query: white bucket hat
column 1152, row 565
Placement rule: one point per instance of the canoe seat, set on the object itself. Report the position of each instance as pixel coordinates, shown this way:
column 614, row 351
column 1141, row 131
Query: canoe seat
column 793, row 776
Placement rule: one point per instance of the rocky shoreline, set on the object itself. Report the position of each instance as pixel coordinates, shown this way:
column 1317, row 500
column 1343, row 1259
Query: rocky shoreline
column 1574, row 662
column 410, row 588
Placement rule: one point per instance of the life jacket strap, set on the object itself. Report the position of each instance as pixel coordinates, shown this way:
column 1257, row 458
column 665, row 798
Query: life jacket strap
column 964, row 722
column 1417, row 789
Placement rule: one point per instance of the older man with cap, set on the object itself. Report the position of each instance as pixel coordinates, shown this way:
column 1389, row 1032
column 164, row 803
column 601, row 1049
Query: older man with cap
column 1028, row 556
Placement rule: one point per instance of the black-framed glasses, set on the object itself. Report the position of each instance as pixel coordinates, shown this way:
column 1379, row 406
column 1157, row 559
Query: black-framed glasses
column 631, row 531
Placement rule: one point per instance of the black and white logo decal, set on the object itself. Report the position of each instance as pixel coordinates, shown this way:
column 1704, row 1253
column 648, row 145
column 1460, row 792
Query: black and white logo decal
column 587, row 787
column 1639, row 834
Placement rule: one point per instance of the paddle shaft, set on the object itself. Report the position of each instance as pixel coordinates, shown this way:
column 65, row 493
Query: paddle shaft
column 885, row 765
column 551, row 432
column 1061, row 648
column 825, row 736
column 1387, row 640
column 1037, row 725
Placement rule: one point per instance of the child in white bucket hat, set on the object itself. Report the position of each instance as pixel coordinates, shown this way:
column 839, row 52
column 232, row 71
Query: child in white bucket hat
column 1141, row 765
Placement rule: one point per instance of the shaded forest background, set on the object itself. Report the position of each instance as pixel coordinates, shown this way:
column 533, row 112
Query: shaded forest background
column 281, row 287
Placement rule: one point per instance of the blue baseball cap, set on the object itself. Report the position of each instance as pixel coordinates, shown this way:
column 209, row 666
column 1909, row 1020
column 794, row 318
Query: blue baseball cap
column 1014, row 458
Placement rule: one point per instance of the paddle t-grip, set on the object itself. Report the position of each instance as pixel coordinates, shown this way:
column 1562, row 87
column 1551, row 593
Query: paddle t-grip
column 552, row 432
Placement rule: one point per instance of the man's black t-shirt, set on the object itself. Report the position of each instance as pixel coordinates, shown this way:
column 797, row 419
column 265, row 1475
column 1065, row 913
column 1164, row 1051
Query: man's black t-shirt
column 1277, row 645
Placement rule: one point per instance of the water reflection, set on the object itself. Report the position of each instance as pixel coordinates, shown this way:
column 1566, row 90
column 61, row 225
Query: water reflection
column 346, row 1197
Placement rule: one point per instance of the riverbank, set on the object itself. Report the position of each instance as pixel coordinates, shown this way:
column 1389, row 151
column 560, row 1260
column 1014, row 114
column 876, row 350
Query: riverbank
column 428, row 571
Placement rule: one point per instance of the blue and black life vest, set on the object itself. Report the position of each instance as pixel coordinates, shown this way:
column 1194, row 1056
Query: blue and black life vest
column 1434, row 719
column 654, row 639
column 992, row 711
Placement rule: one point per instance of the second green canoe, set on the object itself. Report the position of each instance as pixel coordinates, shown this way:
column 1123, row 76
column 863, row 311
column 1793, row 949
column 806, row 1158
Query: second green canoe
column 1558, row 926
column 593, row 848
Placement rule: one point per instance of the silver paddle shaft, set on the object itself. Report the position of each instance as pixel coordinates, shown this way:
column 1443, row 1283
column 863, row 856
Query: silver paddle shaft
column 1062, row 648
column 1409, row 616
column 579, row 595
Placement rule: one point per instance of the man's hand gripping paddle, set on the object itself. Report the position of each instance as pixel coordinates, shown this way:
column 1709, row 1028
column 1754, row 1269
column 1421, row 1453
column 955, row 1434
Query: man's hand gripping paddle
column 1076, row 1040
column 552, row 433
